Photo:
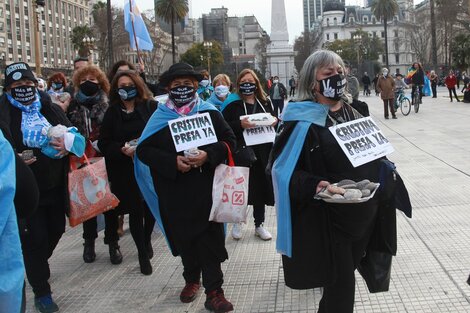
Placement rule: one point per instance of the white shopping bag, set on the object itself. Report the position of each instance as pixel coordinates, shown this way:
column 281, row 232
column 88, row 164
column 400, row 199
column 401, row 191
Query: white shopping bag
column 230, row 193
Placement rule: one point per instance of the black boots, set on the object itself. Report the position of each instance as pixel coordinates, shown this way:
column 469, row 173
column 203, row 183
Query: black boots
column 89, row 254
column 145, row 265
column 114, row 253
column 149, row 249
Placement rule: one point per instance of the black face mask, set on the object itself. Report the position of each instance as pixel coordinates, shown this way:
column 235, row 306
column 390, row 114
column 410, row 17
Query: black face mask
column 181, row 95
column 89, row 88
column 333, row 87
column 127, row 93
column 247, row 88
column 23, row 94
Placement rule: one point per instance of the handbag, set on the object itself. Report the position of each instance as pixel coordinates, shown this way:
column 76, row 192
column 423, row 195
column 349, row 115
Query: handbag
column 230, row 193
column 376, row 267
column 89, row 191
column 244, row 156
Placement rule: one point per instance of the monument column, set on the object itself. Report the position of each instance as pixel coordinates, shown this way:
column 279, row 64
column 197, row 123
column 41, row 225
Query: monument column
column 280, row 55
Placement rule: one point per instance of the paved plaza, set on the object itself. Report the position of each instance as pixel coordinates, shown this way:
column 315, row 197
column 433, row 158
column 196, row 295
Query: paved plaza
column 432, row 152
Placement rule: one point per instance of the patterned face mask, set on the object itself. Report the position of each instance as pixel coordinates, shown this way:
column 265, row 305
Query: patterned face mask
column 333, row 87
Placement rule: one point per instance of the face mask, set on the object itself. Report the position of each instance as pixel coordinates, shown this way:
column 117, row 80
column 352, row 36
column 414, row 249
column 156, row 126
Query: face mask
column 56, row 86
column 247, row 88
column 275, row 81
column 181, row 95
column 221, row 91
column 89, row 88
column 23, row 94
column 127, row 93
column 204, row 82
column 333, row 87
column 385, row 73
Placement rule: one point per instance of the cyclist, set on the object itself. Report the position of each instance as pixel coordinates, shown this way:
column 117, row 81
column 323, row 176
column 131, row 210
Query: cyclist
column 415, row 77
column 400, row 87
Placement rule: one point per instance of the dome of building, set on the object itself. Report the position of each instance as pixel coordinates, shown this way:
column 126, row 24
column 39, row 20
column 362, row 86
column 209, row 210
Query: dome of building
column 333, row 6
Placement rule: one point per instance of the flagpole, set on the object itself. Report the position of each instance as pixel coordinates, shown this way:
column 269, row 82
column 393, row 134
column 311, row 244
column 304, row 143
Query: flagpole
column 133, row 31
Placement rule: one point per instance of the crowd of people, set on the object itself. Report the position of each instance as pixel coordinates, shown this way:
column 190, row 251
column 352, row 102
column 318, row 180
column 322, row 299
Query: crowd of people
column 115, row 116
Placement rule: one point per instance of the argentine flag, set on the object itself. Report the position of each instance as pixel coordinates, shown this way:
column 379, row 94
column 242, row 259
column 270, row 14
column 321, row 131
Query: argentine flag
column 132, row 14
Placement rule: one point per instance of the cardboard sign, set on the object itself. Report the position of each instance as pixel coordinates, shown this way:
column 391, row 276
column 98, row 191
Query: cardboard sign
column 258, row 135
column 192, row 131
column 362, row 140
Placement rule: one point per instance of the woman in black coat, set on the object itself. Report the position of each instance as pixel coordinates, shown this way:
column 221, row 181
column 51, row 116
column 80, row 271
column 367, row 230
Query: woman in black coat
column 130, row 108
column 252, row 99
column 327, row 240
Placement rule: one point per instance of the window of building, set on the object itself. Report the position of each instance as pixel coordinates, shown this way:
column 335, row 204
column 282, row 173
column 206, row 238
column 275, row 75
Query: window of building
column 335, row 21
column 382, row 34
column 351, row 20
column 365, row 19
column 327, row 22
column 335, row 36
column 397, row 46
column 397, row 58
column 395, row 33
column 374, row 20
column 327, row 36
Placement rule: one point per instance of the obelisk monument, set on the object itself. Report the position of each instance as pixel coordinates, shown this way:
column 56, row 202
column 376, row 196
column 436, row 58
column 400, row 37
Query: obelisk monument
column 280, row 55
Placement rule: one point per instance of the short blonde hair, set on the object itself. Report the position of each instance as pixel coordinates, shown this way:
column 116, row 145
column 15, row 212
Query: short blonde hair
column 222, row 79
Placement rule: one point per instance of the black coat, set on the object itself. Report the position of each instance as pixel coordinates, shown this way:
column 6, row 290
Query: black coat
column 119, row 127
column 260, row 186
column 317, row 225
column 185, row 199
column 49, row 173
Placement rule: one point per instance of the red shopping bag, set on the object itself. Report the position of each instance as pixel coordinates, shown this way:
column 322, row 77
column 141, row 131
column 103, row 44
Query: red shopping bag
column 89, row 191
column 230, row 193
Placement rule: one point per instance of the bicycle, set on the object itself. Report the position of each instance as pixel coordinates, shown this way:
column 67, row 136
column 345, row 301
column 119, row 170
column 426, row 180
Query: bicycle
column 403, row 103
column 416, row 98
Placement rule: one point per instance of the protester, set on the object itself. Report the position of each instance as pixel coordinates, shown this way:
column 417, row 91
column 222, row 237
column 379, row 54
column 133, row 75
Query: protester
column 353, row 83
column 221, row 85
column 321, row 243
column 434, row 81
column 251, row 99
column 451, row 82
column 124, row 65
column 86, row 112
column 386, row 87
column 374, row 81
column 466, row 94
column 130, row 109
column 29, row 114
column 465, row 80
column 205, row 89
column 178, row 188
column 78, row 63
column 57, row 84
column 42, row 85
column 415, row 77
column 277, row 94
column 366, row 83
column 292, row 85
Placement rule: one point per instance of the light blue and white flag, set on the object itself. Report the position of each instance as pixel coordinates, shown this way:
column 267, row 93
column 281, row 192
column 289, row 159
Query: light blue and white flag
column 138, row 31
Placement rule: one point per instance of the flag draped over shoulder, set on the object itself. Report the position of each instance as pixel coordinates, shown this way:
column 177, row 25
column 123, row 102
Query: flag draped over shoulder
column 132, row 14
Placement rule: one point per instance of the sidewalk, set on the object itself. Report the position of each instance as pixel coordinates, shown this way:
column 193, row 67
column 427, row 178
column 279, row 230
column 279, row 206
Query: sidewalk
column 429, row 273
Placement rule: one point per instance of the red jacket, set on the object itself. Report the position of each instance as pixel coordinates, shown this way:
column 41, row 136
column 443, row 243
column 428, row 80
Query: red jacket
column 451, row 81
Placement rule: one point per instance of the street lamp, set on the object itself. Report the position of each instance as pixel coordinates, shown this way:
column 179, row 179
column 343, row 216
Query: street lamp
column 89, row 44
column 39, row 6
column 208, row 46
column 357, row 38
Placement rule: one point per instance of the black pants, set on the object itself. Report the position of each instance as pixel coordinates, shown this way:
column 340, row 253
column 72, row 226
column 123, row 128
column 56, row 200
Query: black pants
column 111, row 226
column 388, row 103
column 258, row 214
column 141, row 223
column 434, row 90
column 339, row 297
column 201, row 257
column 452, row 90
column 278, row 105
column 292, row 91
column 39, row 236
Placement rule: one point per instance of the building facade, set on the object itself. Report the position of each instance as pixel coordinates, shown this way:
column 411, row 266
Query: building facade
column 339, row 22
column 313, row 10
column 56, row 19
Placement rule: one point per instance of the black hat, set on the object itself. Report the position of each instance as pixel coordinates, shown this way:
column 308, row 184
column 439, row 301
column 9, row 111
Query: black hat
column 17, row 71
column 179, row 70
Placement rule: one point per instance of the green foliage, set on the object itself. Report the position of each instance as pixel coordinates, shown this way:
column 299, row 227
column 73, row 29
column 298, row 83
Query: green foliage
column 197, row 55
column 460, row 48
column 385, row 9
column 171, row 11
column 78, row 33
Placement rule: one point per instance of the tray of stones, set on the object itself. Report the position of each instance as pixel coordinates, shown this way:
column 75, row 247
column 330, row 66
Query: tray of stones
column 348, row 191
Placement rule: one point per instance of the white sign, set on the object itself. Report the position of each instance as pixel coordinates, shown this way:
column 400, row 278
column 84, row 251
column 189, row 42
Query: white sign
column 192, row 131
column 362, row 140
column 258, row 135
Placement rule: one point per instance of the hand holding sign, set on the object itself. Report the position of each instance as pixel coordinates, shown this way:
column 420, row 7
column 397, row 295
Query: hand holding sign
column 182, row 164
column 246, row 123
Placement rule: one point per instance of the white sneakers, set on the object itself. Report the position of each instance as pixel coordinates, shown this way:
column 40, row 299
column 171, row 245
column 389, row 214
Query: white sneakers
column 260, row 232
column 237, row 231
column 263, row 233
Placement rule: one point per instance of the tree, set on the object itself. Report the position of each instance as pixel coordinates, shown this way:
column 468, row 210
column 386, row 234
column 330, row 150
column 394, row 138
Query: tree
column 197, row 55
column 305, row 45
column 78, row 34
column 433, row 34
column 172, row 11
column 260, row 48
column 461, row 51
column 386, row 10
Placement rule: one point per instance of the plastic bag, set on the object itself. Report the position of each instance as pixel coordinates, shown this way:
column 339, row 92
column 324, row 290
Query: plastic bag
column 89, row 191
column 230, row 193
